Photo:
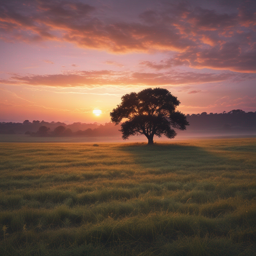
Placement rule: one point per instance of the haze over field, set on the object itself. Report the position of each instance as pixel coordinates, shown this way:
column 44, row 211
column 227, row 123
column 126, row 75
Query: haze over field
column 234, row 123
column 71, row 61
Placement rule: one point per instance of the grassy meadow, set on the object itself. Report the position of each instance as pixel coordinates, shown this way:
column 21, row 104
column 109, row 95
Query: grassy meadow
column 190, row 197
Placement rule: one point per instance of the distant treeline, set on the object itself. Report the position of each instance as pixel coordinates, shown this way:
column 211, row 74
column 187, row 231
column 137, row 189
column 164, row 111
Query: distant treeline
column 108, row 129
column 33, row 127
column 235, row 121
column 58, row 129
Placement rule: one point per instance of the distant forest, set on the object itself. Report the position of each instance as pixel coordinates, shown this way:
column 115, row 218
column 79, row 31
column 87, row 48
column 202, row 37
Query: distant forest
column 233, row 122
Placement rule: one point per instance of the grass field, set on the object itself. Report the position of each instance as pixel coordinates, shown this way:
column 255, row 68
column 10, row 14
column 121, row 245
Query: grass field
column 194, row 197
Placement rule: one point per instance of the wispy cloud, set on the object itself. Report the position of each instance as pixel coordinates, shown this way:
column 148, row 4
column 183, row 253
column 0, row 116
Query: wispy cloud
column 245, row 101
column 224, row 103
column 48, row 62
column 194, row 91
column 114, row 63
column 91, row 79
column 19, row 101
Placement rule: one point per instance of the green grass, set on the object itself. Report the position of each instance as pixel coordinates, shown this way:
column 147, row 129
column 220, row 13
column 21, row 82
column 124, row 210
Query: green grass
column 194, row 197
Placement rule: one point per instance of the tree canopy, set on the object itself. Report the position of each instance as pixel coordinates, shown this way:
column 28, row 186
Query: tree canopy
column 149, row 112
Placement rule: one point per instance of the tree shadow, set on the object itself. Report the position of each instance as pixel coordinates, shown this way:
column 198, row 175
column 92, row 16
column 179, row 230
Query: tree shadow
column 182, row 156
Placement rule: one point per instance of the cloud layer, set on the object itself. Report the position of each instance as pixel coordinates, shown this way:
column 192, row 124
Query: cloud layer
column 202, row 37
column 92, row 79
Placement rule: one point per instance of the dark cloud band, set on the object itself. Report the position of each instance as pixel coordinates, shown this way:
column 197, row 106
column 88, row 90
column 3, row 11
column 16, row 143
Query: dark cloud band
column 209, row 37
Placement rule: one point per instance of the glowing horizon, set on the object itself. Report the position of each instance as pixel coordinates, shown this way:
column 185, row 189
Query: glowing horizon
column 63, row 60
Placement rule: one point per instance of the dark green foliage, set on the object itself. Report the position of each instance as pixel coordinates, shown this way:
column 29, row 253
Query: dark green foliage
column 149, row 112
column 43, row 131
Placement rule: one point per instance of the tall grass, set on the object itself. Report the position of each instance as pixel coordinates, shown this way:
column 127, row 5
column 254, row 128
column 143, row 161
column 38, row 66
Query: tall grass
column 186, row 198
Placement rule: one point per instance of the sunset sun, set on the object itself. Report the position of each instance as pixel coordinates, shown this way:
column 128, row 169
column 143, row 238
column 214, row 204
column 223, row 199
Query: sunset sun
column 97, row 112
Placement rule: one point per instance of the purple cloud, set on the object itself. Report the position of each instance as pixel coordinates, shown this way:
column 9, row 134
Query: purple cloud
column 203, row 37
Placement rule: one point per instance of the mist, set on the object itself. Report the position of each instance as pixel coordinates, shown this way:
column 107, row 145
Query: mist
column 236, row 123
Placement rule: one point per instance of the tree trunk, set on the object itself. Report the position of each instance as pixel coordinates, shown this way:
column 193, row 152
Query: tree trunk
column 150, row 140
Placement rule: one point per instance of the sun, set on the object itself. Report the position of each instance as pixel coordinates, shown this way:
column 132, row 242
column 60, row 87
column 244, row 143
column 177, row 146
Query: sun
column 97, row 112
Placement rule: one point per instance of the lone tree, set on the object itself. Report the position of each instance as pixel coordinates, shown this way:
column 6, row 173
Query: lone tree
column 149, row 112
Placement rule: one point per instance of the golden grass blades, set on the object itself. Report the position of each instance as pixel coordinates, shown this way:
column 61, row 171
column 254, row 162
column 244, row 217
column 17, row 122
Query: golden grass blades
column 194, row 197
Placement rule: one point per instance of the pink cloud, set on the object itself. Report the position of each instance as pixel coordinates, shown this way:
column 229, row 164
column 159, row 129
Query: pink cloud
column 228, row 56
column 48, row 61
column 202, row 37
column 114, row 63
column 158, row 66
column 194, row 91
column 235, row 102
column 227, row 103
column 116, row 78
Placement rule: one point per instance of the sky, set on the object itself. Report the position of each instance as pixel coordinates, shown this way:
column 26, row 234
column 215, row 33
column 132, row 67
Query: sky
column 61, row 60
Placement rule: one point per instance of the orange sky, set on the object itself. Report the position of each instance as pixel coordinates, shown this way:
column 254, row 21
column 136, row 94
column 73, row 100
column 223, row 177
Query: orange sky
column 60, row 60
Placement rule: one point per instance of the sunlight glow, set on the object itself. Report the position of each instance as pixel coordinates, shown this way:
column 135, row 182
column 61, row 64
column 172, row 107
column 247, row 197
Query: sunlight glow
column 97, row 112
